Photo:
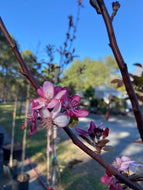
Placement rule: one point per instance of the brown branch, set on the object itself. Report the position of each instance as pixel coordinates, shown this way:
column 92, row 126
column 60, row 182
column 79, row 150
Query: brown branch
column 14, row 48
column 75, row 140
column 98, row 158
column 122, row 66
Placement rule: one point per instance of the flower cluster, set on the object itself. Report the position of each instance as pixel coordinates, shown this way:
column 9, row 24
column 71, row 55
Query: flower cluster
column 124, row 165
column 53, row 107
column 97, row 136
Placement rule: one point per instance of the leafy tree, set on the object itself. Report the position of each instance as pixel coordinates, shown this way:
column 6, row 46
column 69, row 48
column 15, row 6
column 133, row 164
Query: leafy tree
column 89, row 92
column 11, row 83
column 8, row 67
column 86, row 73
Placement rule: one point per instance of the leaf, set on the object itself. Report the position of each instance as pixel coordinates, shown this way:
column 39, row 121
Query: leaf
column 138, row 64
column 108, row 148
column 73, row 122
column 86, row 139
column 119, row 82
column 102, row 143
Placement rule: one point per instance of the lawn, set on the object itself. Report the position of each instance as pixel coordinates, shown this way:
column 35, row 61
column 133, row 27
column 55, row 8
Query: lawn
column 83, row 175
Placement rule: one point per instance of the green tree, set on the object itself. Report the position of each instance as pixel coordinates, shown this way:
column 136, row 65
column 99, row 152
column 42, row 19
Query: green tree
column 11, row 82
column 86, row 73
column 8, row 66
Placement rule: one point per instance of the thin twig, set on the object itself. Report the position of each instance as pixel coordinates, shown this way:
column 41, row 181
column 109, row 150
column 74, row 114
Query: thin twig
column 54, row 157
column 13, row 134
column 25, row 129
column 48, row 158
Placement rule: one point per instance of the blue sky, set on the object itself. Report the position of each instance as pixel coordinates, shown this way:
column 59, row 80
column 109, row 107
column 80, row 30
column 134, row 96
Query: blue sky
column 36, row 23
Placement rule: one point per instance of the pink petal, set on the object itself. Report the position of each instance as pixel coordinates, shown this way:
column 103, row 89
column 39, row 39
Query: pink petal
column 40, row 92
column 80, row 113
column 70, row 113
column 112, row 187
column 32, row 102
column 106, row 132
column 105, row 179
column 33, row 129
column 82, row 132
column 44, row 113
column 118, row 161
column 60, row 94
column 48, row 90
column 75, row 100
column 65, row 100
column 125, row 165
column 62, row 120
column 92, row 127
column 35, row 115
column 57, row 89
column 125, row 158
column 56, row 110
column 118, row 187
column 53, row 103
column 39, row 102
column 100, row 125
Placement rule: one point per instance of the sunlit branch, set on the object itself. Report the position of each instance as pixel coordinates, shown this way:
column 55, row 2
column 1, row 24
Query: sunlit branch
column 122, row 65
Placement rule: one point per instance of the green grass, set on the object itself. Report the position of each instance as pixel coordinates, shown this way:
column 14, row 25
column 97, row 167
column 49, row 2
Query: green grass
column 36, row 143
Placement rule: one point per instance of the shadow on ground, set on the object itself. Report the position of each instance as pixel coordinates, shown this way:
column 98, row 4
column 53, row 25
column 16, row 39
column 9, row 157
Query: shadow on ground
column 123, row 133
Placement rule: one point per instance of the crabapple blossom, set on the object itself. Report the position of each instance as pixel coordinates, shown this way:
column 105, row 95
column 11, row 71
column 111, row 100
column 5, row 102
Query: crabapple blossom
column 55, row 117
column 111, row 180
column 70, row 105
column 94, row 131
column 48, row 97
column 125, row 163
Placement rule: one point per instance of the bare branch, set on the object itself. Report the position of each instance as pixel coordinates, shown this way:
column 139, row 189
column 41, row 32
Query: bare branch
column 98, row 158
column 115, row 7
column 122, row 66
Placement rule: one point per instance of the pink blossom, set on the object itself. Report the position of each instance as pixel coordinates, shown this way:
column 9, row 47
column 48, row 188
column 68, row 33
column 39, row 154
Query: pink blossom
column 48, row 97
column 122, row 163
column 33, row 129
column 32, row 118
column 48, row 119
column 94, row 131
column 111, row 180
column 70, row 104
